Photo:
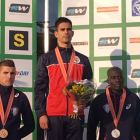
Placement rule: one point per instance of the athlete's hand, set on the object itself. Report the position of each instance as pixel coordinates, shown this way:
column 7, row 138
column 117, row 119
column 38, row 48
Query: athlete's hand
column 81, row 108
column 43, row 122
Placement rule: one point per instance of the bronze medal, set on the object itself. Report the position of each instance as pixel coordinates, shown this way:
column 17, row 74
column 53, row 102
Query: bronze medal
column 3, row 133
column 4, row 117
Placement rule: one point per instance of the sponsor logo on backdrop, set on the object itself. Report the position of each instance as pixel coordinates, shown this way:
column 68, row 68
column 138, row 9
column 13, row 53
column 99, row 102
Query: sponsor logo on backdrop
column 79, row 43
column 108, row 41
column 135, row 73
column 76, row 11
column 18, row 40
column 135, row 7
column 107, row 9
column 19, row 8
column 22, row 73
column 135, row 40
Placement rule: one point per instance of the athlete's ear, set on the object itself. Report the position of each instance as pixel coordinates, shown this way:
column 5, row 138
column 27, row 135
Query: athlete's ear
column 56, row 34
column 72, row 33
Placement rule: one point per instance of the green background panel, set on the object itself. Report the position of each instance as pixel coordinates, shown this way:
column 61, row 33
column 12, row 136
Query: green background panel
column 103, row 74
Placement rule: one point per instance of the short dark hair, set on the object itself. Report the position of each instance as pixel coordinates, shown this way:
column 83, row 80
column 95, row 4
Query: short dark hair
column 114, row 69
column 60, row 20
column 7, row 62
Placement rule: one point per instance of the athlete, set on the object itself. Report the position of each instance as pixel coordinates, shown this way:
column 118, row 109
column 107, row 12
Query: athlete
column 117, row 110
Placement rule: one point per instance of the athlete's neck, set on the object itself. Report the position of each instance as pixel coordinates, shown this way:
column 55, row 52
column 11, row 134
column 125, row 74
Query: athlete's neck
column 65, row 45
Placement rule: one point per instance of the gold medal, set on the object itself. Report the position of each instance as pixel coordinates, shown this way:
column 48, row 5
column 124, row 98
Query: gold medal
column 3, row 133
column 115, row 133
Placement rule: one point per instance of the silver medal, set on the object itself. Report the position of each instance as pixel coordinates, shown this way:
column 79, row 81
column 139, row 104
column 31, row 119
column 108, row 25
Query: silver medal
column 115, row 133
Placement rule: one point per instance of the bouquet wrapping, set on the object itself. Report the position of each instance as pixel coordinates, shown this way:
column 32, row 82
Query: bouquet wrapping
column 81, row 93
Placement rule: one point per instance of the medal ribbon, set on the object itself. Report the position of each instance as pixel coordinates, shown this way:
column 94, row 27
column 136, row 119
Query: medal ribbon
column 116, row 119
column 3, row 116
column 60, row 61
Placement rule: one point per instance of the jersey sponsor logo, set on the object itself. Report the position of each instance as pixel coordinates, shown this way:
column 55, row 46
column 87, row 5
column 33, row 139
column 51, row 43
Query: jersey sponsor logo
column 76, row 59
column 18, row 40
column 135, row 7
column 19, row 8
column 108, row 41
column 14, row 111
column 22, row 73
column 128, row 106
column 135, row 73
column 17, row 94
column 76, row 11
column 106, row 108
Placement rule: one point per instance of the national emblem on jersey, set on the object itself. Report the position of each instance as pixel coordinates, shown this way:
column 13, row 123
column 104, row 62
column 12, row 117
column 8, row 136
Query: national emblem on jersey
column 106, row 108
column 14, row 111
column 76, row 59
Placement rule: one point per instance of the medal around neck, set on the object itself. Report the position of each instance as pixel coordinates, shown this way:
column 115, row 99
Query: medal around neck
column 4, row 116
column 3, row 133
column 115, row 133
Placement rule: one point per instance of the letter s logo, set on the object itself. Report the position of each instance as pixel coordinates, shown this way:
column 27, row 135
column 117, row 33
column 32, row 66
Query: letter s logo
column 19, row 38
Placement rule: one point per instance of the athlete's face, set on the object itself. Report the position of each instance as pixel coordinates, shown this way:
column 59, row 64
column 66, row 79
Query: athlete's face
column 115, row 80
column 64, row 33
column 7, row 75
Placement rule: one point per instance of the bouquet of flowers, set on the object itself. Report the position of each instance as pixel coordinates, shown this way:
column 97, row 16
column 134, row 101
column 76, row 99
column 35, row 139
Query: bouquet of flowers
column 81, row 93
